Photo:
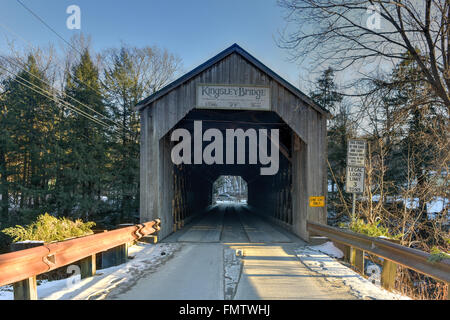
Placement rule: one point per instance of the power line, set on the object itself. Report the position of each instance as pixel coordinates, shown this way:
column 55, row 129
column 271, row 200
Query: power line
column 58, row 35
column 48, row 95
column 49, row 27
column 69, row 96
column 56, row 62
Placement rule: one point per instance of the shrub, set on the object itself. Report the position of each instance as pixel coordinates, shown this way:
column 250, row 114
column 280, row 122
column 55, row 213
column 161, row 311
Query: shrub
column 48, row 228
column 370, row 229
column 438, row 255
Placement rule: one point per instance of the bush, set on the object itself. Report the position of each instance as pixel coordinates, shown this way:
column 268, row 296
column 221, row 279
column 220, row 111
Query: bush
column 370, row 229
column 48, row 228
column 438, row 255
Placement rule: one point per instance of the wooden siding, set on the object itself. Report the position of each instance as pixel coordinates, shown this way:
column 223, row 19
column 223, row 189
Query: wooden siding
column 309, row 161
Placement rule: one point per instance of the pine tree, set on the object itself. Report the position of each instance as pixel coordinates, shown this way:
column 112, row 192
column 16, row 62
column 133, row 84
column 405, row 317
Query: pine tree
column 124, row 91
column 85, row 145
column 27, row 141
column 339, row 130
column 130, row 75
column 420, row 143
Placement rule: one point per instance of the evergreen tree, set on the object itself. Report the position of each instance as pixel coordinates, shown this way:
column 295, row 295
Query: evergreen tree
column 85, row 143
column 130, row 75
column 339, row 130
column 424, row 129
column 27, row 142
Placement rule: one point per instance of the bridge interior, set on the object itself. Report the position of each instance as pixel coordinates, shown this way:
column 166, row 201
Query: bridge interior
column 269, row 196
column 231, row 223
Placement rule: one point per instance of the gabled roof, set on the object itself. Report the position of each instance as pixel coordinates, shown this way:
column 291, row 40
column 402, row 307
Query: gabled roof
column 222, row 55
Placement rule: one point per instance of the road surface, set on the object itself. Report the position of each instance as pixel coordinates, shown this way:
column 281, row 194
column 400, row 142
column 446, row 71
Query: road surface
column 230, row 253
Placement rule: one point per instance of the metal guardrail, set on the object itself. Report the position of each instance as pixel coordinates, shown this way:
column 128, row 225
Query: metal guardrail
column 410, row 258
column 24, row 264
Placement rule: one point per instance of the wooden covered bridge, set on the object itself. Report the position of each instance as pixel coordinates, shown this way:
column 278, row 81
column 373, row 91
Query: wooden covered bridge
column 190, row 136
column 233, row 90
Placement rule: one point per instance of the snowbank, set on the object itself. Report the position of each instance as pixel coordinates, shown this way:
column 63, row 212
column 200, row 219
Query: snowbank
column 147, row 258
column 329, row 249
column 316, row 260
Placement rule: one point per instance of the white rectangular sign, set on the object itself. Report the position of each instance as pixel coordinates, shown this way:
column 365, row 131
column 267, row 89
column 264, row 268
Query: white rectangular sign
column 356, row 153
column 355, row 180
column 239, row 97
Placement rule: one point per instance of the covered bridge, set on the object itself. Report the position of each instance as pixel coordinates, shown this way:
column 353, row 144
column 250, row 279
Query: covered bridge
column 232, row 90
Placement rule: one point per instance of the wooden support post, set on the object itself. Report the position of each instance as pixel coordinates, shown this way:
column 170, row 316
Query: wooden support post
column 88, row 266
column 357, row 259
column 448, row 290
column 25, row 289
column 345, row 250
column 115, row 256
column 153, row 239
column 388, row 274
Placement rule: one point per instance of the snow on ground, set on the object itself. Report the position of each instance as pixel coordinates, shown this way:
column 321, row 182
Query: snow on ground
column 329, row 249
column 29, row 242
column 232, row 271
column 147, row 258
column 319, row 259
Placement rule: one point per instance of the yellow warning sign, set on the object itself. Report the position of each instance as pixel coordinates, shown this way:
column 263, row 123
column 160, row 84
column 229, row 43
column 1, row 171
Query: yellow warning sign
column 317, row 201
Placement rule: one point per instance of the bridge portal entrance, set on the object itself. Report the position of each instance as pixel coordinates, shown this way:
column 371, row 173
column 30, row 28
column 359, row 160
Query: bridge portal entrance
column 232, row 116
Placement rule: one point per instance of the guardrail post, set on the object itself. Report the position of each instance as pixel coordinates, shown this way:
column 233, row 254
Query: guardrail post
column 357, row 259
column 88, row 266
column 25, row 289
column 153, row 239
column 388, row 274
column 448, row 290
column 115, row 256
column 345, row 250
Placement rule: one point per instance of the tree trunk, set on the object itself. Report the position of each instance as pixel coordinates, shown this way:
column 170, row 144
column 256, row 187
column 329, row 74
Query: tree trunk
column 4, row 217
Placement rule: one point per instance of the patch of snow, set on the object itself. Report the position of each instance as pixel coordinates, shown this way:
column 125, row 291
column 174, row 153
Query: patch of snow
column 376, row 198
column 334, row 271
column 6, row 293
column 232, row 271
column 412, row 203
column 147, row 257
column 329, row 249
column 30, row 241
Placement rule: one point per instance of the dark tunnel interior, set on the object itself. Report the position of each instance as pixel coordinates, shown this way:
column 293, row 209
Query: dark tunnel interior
column 268, row 195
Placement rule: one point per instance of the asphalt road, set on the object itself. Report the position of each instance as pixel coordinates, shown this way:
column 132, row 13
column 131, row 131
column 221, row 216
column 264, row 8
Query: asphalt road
column 230, row 253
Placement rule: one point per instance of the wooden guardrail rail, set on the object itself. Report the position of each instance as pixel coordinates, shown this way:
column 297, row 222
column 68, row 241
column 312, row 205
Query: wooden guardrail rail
column 22, row 267
column 393, row 254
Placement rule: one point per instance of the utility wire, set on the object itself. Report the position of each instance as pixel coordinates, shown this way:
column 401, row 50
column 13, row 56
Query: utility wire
column 47, row 94
column 68, row 43
column 49, row 27
column 69, row 96
column 56, row 62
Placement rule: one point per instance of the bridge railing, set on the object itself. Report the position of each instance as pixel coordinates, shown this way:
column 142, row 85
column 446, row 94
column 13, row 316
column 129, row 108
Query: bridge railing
column 20, row 268
column 355, row 244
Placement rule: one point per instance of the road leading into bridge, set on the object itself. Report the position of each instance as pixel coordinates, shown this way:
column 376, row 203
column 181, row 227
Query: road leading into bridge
column 230, row 253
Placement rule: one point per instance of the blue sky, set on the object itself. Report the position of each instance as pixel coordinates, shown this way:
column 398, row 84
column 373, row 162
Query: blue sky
column 195, row 30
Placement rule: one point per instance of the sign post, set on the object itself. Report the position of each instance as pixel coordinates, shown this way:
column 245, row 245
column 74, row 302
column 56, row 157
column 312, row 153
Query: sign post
column 356, row 155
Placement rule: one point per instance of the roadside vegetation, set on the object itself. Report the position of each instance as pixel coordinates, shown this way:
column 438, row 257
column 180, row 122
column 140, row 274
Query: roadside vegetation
column 69, row 138
column 384, row 77
column 48, row 229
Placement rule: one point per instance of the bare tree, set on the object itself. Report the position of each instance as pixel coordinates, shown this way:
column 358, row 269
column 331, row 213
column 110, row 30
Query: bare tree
column 346, row 32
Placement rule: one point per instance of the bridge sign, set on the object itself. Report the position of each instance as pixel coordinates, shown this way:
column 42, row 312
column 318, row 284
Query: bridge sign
column 233, row 97
column 356, row 156
column 317, row 201
column 356, row 153
column 355, row 179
